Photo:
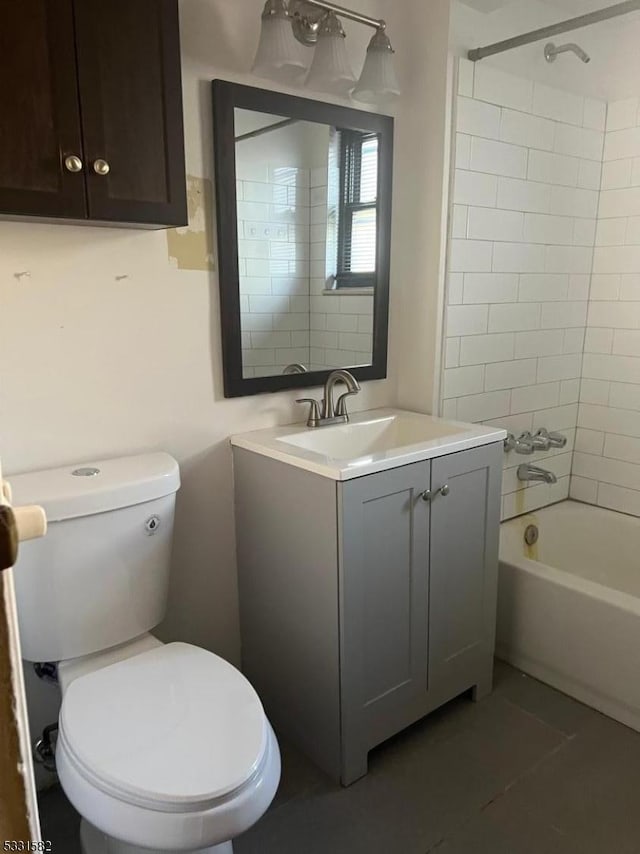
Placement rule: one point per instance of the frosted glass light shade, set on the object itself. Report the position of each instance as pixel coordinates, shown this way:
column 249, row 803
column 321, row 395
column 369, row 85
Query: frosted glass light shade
column 378, row 82
column 279, row 55
column 331, row 70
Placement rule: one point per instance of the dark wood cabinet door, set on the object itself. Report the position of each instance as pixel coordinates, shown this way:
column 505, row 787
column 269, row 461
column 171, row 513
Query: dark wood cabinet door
column 131, row 99
column 39, row 112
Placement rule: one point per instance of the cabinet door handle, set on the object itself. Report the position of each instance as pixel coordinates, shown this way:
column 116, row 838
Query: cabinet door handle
column 429, row 494
column 101, row 167
column 72, row 163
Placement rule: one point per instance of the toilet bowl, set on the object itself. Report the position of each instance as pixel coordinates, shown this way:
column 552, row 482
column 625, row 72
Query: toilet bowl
column 168, row 749
column 161, row 747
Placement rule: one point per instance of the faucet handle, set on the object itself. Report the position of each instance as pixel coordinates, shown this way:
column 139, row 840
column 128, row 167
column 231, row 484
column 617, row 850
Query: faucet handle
column 523, row 444
column 314, row 411
column 554, row 440
column 540, row 440
column 510, row 442
column 341, row 405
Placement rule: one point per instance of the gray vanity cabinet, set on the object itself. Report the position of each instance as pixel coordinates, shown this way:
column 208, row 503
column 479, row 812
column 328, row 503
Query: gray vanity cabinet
column 366, row 603
column 384, row 595
column 463, row 569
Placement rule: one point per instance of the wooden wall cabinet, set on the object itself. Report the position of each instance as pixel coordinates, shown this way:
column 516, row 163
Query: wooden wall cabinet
column 366, row 603
column 91, row 108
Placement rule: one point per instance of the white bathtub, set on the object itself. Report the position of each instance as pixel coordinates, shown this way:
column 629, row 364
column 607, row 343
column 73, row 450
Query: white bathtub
column 569, row 607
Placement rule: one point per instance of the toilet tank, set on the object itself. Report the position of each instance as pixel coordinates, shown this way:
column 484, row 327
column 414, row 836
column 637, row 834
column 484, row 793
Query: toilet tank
column 100, row 576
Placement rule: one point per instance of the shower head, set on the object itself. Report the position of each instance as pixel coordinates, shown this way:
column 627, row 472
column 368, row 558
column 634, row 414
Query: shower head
column 551, row 51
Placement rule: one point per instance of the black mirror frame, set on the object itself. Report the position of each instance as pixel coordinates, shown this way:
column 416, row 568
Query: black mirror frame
column 226, row 98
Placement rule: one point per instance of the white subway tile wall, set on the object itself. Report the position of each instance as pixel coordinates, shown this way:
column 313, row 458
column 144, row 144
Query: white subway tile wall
column 523, row 228
column 273, row 257
column 606, row 469
column 287, row 252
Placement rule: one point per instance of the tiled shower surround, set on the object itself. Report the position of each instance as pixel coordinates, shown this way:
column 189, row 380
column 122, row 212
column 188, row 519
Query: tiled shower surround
column 523, row 221
column 606, row 468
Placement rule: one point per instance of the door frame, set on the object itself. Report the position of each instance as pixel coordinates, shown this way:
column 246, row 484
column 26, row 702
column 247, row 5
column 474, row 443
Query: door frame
column 19, row 818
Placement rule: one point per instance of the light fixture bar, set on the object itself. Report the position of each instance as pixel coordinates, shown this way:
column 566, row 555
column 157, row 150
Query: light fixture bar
column 555, row 29
column 376, row 23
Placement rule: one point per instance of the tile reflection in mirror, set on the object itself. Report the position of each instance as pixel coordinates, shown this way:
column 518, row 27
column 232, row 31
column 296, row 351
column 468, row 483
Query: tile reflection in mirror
column 307, row 202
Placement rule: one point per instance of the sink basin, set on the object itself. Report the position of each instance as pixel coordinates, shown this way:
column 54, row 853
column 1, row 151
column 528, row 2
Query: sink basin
column 380, row 435
column 372, row 442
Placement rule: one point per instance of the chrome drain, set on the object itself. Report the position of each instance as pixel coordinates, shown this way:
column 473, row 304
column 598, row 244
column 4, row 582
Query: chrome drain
column 531, row 535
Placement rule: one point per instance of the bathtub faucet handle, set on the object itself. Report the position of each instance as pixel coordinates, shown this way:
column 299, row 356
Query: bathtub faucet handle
column 509, row 442
column 522, row 445
column 553, row 440
column 540, row 440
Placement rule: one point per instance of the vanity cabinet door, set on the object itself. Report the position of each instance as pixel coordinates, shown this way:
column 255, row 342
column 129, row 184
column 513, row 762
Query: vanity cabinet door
column 39, row 111
column 384, row 571
column 131, row 97
column 465, row 526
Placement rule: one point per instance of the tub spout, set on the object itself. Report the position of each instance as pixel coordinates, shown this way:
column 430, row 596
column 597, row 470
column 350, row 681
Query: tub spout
column 527, row 472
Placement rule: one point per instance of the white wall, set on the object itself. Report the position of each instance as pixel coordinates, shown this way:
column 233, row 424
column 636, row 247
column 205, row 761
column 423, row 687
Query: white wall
column 607, row 460
column 523, row 220
column 109, row 347
column 420, row 195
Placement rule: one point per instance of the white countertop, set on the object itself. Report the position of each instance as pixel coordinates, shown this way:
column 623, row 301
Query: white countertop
column 388, row 437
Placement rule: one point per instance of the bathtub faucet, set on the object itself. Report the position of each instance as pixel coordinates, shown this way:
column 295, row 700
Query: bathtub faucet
column 527, row 472
column 552, row 440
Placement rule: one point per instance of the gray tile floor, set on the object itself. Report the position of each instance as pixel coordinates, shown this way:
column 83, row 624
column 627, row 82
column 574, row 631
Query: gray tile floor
column 526, row 771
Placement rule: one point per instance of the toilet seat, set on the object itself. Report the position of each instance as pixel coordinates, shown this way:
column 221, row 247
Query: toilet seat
column 156, row 830
column 175, row 729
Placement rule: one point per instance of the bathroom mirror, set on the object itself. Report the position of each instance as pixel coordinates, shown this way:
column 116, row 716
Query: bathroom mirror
column 304, row 222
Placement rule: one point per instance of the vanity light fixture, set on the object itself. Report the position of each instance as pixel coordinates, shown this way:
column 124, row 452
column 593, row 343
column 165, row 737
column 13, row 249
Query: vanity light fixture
column 288, row 24
column 378, row 81
column 279, row 55
column 331, row 70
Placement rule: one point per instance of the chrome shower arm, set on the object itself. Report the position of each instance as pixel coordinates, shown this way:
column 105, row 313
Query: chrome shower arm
column 551, row 51
column 556, row 29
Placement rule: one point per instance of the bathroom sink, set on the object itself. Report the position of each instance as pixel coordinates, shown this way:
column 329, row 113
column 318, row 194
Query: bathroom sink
column 379, row 435
column 373, row 441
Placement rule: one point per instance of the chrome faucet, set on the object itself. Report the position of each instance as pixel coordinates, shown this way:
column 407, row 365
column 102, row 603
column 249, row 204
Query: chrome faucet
column 527, row 443
column 527, row 472
column 553, row 440
column 325, row 412
column 523, row 444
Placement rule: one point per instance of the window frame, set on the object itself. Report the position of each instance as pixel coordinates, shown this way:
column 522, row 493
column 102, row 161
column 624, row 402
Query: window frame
column 351, row 143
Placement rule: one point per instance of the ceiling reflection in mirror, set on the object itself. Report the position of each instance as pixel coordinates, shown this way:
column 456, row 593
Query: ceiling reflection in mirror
column 307, row 203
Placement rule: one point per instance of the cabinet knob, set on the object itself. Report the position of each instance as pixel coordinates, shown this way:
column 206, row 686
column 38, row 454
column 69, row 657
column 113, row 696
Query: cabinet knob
column 429, row 494
column 101, row 167
column 72, row 163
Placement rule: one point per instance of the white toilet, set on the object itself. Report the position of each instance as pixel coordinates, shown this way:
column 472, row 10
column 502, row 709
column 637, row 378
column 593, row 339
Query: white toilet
column 160, row 747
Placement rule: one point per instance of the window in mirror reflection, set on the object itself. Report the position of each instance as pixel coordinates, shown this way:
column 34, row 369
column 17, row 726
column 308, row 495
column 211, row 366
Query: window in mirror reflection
column 357, row 234
column 307, row 210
